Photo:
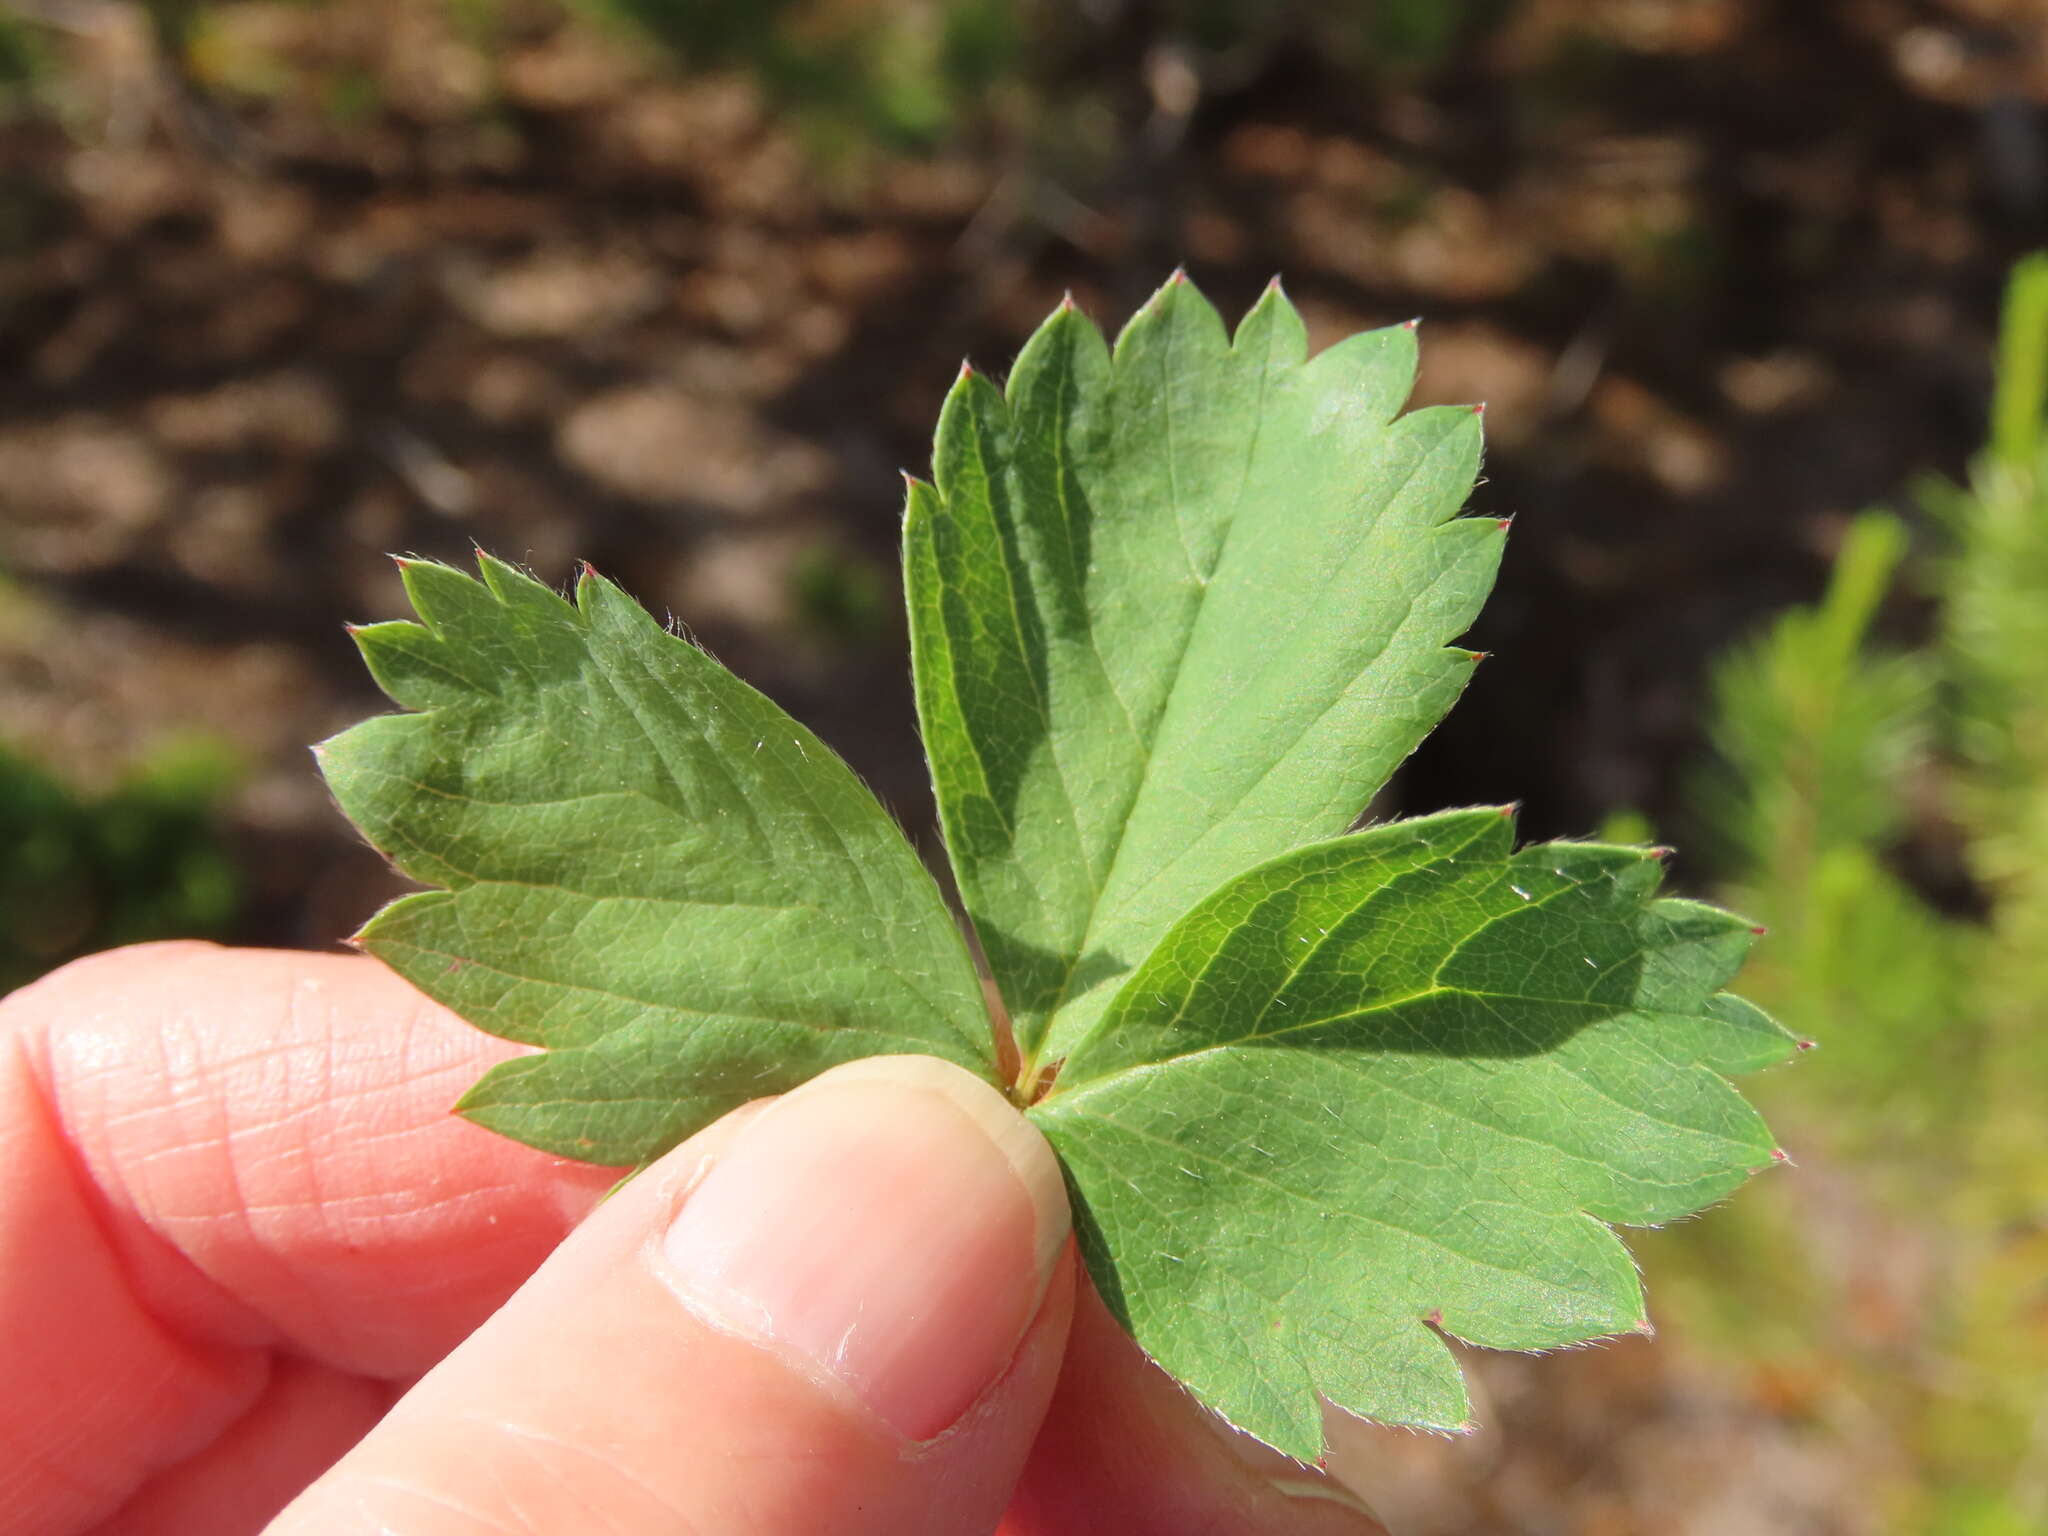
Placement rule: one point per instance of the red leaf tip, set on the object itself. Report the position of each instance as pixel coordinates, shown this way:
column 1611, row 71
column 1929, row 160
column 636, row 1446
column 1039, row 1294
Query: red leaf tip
column 966, row 371
column 1410, row 325
column 1504, row 524
column 1178, row 276
column 1479, row 409
column 586, row 570
column 1759, row 930
column 1475, row 657
column 1512, row 809
column 1807, row 1045
column 1780, row 1155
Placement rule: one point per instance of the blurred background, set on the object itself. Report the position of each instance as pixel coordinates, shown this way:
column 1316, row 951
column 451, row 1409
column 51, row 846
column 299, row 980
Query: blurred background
column 677, row 286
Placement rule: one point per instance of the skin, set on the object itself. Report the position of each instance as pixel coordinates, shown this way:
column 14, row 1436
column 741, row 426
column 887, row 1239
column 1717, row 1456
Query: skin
column 245, row 1249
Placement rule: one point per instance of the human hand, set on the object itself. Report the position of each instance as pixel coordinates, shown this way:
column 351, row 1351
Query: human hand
column 243, row 1234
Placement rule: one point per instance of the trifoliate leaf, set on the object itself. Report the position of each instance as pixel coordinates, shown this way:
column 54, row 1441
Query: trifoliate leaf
column 1401, row 1078
column 650, row 869
column 1174, row 609
column 1177, row 611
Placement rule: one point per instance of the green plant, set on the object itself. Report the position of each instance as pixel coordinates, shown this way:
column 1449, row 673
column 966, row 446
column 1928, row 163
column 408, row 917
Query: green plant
column 24, row 59
column 908, row 76
column 1834, row 754
column 1177, row 612
column 142, row 861
column 1817, row 742
column 900, row 75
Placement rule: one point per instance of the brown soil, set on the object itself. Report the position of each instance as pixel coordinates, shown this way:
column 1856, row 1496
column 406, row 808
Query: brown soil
column 1724, row 271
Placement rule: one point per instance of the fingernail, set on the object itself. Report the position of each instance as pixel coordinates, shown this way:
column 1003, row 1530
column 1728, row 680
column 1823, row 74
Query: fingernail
column 892, row 1224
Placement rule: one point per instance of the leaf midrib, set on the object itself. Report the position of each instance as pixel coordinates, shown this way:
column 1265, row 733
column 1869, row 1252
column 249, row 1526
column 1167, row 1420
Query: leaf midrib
column 1203, row 584
column 1064, row 1105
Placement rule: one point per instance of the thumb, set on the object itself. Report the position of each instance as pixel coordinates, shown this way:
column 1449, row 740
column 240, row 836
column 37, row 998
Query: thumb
column 842, row 1311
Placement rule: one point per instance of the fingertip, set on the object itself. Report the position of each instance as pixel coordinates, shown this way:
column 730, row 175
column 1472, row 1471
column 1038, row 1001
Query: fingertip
column 893, row 1224
column 837, row 1314
column 269, row 1137
column 96, row 974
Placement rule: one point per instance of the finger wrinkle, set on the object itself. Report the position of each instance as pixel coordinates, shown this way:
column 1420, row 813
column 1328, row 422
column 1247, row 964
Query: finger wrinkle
column 587, row 1474
column 236, row 1158
column 181, row 1176
column 266, row 1137
column 380, row 1203
column 306, row 1418
column 390, row 1505
column 102, row 1394
column 152, row 1266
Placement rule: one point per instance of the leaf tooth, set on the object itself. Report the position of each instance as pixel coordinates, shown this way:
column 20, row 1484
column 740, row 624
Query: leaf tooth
column 413, row 665
column 447, row 601
column 521, row 591
column 1065, row 357
column 922, row 505
column 1272, row 331
column 594, row 592
column 1368, row 377
column 607, row 608
column 1180, row 305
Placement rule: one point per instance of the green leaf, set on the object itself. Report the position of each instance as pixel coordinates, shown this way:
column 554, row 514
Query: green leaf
column 1175, row 609
column 649, row 869
column 1395, row 1078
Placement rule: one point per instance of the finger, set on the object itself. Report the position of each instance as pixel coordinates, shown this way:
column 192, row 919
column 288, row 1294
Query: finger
column 852, row 1324
column 217, row 1158
column 305, row 1417
column 1125, row 1449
